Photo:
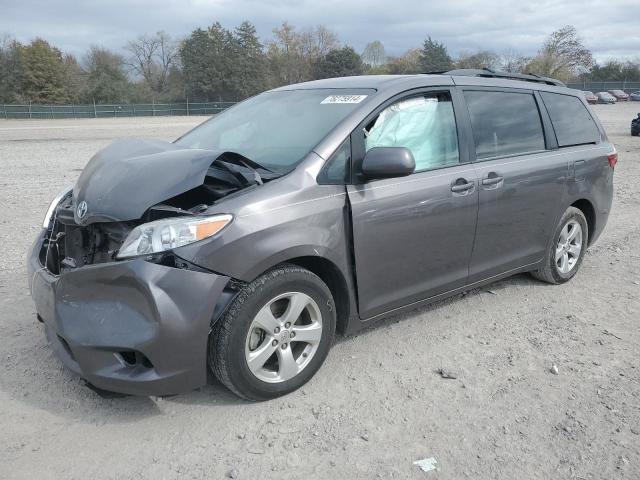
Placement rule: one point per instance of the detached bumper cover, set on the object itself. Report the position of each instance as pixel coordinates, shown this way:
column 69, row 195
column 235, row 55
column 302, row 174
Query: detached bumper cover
column 95, row 313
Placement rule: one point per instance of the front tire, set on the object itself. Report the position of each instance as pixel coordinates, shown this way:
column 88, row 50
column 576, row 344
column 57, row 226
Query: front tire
column 567, row 250
column 275, row 335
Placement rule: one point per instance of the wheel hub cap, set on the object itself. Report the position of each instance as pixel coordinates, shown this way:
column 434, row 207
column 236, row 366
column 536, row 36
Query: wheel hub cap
column 284, row 336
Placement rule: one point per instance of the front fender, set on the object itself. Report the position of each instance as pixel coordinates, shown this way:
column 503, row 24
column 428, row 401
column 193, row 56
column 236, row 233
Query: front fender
column 256, row 240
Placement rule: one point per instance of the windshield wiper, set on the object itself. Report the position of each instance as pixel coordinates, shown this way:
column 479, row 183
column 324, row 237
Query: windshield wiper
column 256, row 175
column 240, row 160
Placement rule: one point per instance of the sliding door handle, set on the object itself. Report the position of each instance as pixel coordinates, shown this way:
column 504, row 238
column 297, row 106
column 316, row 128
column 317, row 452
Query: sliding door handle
column 492, row 180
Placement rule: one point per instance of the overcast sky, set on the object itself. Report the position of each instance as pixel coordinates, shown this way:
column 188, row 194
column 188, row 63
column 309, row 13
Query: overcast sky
column 609, row 28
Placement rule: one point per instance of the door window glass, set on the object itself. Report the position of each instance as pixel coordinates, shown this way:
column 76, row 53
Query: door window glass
column 504, row 123
column 424, row 124
column 571, row 120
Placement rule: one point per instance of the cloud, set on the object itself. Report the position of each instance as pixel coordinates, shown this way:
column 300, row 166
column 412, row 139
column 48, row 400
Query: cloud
column 608, row 28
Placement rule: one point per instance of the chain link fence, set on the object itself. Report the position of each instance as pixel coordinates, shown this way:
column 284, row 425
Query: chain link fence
column 34, row 111
column 628, row 87
column 117, row 110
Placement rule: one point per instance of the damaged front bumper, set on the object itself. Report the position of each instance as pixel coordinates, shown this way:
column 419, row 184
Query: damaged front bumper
column 130, row 326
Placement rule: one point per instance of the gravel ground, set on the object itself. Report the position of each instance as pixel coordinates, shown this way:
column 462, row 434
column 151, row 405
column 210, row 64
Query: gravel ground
column 378, row 404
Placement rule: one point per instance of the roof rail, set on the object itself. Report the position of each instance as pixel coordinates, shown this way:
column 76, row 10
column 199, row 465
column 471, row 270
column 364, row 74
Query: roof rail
column 488, row 73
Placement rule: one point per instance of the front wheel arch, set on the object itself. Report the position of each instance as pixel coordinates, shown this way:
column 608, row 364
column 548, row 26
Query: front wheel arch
column 331, row 275
column 343, row 292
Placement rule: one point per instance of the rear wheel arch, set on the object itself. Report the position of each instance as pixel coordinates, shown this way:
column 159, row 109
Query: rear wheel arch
column 589, row 212
column 563, row 247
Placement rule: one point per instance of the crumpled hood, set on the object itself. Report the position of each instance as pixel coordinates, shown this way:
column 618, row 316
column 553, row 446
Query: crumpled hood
column 127, row 177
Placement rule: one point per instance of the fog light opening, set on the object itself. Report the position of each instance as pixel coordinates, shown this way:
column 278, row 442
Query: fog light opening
column 132, row 358
column 129, row 358
column 143, row 360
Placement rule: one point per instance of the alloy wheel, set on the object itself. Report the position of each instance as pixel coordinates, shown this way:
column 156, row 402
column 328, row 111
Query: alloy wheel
column 283, row 337
column 568, row 247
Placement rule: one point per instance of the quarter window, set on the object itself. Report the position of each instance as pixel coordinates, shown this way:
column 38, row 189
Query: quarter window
column 424, row 124
column 571, row 120
column 337, row 170
column 504, row 123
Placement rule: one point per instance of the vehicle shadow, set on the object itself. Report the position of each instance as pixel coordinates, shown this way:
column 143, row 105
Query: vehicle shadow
column 519, row 280
column 34, row 376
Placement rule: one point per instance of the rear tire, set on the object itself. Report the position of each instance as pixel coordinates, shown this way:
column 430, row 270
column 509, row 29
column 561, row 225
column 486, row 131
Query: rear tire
column 262, row 348
column 567, row 250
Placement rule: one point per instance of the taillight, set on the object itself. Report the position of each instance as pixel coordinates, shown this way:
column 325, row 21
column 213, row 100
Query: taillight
column 613, row 159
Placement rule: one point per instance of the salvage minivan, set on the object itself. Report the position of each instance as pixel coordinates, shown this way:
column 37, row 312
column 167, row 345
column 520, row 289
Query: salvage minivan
column 244, row 245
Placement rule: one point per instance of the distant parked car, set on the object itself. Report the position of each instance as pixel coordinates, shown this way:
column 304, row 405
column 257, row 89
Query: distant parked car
column 590, row 97
column 635, row 96
column 620, row 95
column 635, row 126
column 605, row 97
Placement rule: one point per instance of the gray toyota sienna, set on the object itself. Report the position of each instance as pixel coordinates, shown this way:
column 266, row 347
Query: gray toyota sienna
column 247, row 243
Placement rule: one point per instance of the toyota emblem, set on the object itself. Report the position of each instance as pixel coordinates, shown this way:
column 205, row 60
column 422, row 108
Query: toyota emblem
column 81, row 211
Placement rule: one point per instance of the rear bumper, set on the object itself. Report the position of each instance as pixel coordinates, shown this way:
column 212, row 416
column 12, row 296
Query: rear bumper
column 133, row 326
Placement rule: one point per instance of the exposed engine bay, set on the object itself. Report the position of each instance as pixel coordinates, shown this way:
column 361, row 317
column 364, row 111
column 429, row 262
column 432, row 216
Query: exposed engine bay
column 71, row 244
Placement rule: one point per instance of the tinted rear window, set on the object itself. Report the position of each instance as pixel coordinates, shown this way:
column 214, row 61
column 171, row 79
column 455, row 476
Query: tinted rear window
column 571, row 120
column 504, row 123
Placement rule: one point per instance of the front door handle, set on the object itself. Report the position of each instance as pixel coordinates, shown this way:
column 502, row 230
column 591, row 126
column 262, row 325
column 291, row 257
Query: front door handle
column 492, row 180
column 462, row 186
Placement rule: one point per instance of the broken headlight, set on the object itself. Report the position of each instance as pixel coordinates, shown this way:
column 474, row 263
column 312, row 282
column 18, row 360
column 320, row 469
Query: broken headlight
column 170, row 233
column 54, row 203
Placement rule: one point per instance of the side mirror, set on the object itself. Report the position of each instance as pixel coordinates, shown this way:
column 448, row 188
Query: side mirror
column 388, row 162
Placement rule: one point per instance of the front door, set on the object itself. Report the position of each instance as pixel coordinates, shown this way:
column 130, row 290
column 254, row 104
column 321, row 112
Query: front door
column 413, row 236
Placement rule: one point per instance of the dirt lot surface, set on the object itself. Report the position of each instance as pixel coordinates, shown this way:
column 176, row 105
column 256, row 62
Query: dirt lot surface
column 378, row 404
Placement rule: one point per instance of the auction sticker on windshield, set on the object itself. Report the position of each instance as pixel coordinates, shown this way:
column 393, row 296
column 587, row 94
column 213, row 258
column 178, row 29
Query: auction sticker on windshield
column 344, row 99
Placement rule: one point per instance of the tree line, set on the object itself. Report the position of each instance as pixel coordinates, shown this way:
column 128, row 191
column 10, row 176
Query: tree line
column 216, row 63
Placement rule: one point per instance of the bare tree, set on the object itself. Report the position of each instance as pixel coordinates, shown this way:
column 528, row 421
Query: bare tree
column 293, row 53
column 5, row 41
column 408, row 62
column 479, row 59
column 152, row 57
column 374, row 54
column 285, row 53
column 317, row 42
column 514, row 62
column 562, row 55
